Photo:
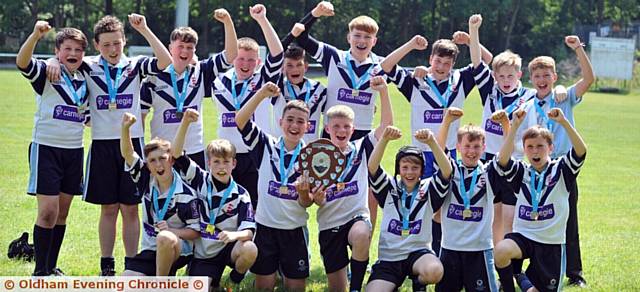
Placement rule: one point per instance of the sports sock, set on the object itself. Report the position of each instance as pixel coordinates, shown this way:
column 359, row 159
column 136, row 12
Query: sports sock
column 506, row 278
column 235, row 276
column 41, row 245
column 358, row 269
column 56, row 243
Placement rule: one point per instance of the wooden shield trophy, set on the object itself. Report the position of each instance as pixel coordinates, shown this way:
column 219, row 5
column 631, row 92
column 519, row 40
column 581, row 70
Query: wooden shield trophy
column 322, row 162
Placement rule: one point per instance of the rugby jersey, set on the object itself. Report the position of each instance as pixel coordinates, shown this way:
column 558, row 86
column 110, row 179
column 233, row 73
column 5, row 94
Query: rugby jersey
column 427, row 111
column 557, row 180
column 227, row 107
column 276, row 210
column 105, row 123
column 57, row 122
column 473, row 233
column 317, row 95
column 182, row 211
column 236, row 213
column 158, row 92
column 493, row 99
column 352, row 201
column 392, row 246
column 561, row 141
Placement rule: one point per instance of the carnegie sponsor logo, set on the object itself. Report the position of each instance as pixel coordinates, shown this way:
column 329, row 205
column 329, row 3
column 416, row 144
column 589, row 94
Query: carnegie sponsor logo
column 170, row 116
column 492, row 127
column 67, row 113
column 395, row 227
column 433, row 116
column 545, row 212
column 455, row 212
column 123, row 101
column 346, row 95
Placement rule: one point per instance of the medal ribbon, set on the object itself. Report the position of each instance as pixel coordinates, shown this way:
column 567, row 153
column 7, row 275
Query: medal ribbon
column 83, row 89
column 154, row 196
column 284, row 171
column 355, row 82
column 466, row 195
column 514, row 105
column 245, row 84
column 443, row 98
column 535, row 185
column 225, row 196
column 292, row 92
column 349, row 162
column 180, row 96
column 112, row 87
column 405, row 211
column 545, row 119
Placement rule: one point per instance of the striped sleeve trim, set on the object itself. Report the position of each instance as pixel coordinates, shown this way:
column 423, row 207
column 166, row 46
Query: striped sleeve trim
column 149, row 66
column 379, row 180
column 573, row 161
column 273, row 65
column 482, row 76
column 320, row 53
column 32, row 71
column 221, row 64
column 135, row 170
column 250, row 135
column 509, row 171
column 440, row 185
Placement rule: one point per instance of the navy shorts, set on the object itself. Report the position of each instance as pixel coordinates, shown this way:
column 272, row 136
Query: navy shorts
column 53, row 170
column 145, row 262
column 547, row 262
column 334, row 243
column 396, row 271
column 106, row 180
column 213, row 267
column 472, row 270
column 280, row 248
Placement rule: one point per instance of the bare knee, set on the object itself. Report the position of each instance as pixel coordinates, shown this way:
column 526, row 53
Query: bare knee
column 432, row 273
column 248, row 250
column 47, row 217
column 129, row 212
column 109, row 211
column 166, row 240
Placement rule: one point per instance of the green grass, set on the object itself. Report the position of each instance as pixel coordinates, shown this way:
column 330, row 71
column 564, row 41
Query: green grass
column 609, row 183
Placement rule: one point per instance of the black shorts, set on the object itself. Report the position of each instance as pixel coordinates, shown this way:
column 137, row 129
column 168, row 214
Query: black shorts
column 246, row 175
column 357, row 134
column 333, row 245
column 547, row 262
column 106, row 181
column 472, row 270
column 199, row 159
column 280, row 248
column 213, row 267
column 145, row 262
column 395, row 272
column 53, row 170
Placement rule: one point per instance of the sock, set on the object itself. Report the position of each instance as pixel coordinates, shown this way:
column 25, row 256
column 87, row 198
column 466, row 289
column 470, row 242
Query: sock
column 506, row 278
column 56, row 243
column 358, row 269
column 235, row 276
column 107, row 263
column 523, row 282
column 418, row 286
column 436, row 233
column 517, row 266
column 41, row 245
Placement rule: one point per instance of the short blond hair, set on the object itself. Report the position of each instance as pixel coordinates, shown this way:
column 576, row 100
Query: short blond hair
column 221, row 148
column 542, row 62
column 156, row 144
column 472, row 131
column 364, row 23
column 340, row 111
column 507, row 59
column 248, row 44
column 538, row 131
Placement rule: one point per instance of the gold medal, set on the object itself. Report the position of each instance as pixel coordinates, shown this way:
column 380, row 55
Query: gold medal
column 405, row 232
column 466, row 213
column 112, row 106
column 284, row 190
column 534, row 215
column 211, row 229
column 340, row 186
column 355, row 92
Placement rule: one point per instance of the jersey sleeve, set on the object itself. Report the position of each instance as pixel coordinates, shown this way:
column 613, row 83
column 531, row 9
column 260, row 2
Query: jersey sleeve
column 190, row 172
column 246, row 218
column 572, row 97
column 139, row 173
column 36, row 73
column 380, row 183
column 189, row 213
column 467, row 80
column 510, row 175
column 148, row 66
column 255, row 139
column 403, row 79
column 484, row 80
column 571, row 165
column 438, row 188
column 146, row 96
column 270, row 72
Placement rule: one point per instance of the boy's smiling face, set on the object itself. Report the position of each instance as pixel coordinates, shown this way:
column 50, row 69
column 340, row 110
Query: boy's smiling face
column 543, row 80
column 340, row 130
column 294, row 124
column 181, row 53
column 410, row 173
column 441, row 66
column 470, row 151
column 295, row 69
column 245, row 63
column 221, row 167
column 111, row 46
column 361, row 43
column 507, row 78
column 70, row 54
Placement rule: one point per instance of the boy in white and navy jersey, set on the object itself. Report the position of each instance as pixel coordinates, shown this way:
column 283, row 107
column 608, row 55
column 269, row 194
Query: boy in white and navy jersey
column 235, row 88
column 182, row 85
column 343, row 213
column 113, row 81
column 170, row 215
column 407, row 206
column 226, row 216
column 468, row 212
column 542, row 71
column 281, row 216
column 541, row 200
column 56, row 149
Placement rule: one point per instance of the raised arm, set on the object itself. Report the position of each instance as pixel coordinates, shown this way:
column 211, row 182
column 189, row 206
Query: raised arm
column 426, row 136
column 501, row 117
column 139, row 23
column 190, row 116
column 588, row 77
column 386, row 112
column 230, row 37
column 507, row 147
column 576, row 140
column 463, row 38
column 259, row 13
column 126, row 147
column 269, row 89
column 450, row 116
column 26, row 51
column 389, row 133
column 474, row 44
column 418, row 42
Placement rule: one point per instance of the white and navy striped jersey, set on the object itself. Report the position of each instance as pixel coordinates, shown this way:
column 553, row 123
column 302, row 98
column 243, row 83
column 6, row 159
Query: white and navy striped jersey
column 339, row 86
column 472, row 233
column 222, row 93
column 235, row 215
column 553, row 208
column 392, row 245
column 182, row 212
column 275, row 210
column 317, row 105
column 157, row 92
column 426, row 109
column 57, row 122
column 105, row 123
column 352, row 201
column 493, row 99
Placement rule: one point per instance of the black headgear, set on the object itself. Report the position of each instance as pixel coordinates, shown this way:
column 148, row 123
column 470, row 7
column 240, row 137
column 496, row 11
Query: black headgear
column 408, row 151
